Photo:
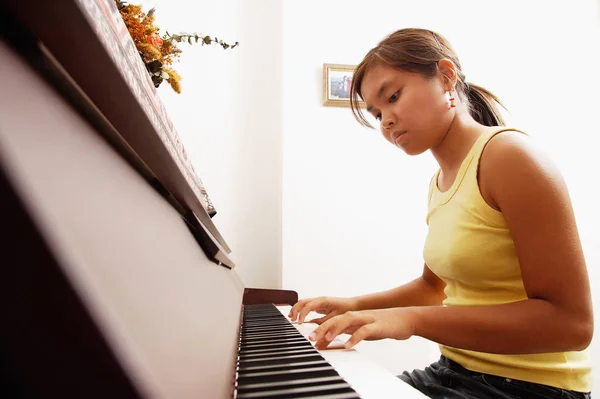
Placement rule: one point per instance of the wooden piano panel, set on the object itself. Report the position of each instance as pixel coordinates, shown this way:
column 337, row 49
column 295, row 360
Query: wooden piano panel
column 169, row 315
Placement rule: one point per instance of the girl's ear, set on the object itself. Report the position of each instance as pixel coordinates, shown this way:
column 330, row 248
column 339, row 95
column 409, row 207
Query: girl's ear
column 447, row 70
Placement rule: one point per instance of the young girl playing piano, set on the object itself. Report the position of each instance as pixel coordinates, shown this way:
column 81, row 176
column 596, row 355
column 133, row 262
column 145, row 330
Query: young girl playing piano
column 504, row 289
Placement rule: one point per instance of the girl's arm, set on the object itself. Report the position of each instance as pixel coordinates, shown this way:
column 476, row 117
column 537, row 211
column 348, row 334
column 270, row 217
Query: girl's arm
column 426, row 290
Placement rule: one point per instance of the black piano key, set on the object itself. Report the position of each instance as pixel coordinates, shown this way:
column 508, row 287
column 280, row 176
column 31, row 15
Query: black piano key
column 299, row 346
column 244, row 366
column 279, row 353
column 345, row 395
column 298, row 392
column 280, row 361
column 267, row 334
column 266, row 324
column 285, row 375
column 289, row 341
column 271, row 343
column 292, row 372
column 271, row 335
column 283, row 367
column 294, row 344
column 273, row 340
column 256, row 329
column 275, row 358
column 265, row 318
column 275, row 385
column 288, row 345
column 297, row 365
column 265, row 321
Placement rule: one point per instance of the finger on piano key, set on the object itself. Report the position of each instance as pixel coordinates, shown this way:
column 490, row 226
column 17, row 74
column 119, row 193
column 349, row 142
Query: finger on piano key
column 338, row 343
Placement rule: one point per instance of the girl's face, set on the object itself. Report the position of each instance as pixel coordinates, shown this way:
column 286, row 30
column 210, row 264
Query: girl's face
column 414, row 111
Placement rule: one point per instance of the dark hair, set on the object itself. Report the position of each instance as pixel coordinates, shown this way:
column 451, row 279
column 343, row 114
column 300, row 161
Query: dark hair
column 418, row 51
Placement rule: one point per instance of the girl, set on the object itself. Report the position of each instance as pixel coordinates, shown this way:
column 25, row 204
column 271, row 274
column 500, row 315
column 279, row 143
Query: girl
column 504, row 289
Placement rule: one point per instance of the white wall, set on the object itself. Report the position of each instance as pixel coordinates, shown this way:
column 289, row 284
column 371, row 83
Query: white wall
column 309, row 199
column 229, row 116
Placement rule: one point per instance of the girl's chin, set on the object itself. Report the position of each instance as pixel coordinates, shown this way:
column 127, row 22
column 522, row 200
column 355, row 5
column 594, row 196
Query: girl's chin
column 412, row 151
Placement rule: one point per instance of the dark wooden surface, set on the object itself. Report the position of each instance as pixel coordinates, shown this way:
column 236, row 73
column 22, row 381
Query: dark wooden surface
column 257, row 296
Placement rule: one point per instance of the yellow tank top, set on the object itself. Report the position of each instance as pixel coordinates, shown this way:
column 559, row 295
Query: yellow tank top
column 471, row 249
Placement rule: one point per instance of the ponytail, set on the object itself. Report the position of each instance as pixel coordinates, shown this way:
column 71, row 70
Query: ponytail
column 482, row 105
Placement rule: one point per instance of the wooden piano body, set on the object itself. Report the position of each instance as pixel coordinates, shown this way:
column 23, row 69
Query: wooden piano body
column 115, row 282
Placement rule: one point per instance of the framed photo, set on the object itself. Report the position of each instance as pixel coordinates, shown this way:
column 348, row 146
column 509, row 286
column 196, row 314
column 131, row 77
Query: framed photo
column 337, row 79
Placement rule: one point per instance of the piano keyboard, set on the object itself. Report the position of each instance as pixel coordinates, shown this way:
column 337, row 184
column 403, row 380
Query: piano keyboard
column 276, row 361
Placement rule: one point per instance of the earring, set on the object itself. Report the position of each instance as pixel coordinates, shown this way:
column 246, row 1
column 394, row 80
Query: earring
column 452, row 105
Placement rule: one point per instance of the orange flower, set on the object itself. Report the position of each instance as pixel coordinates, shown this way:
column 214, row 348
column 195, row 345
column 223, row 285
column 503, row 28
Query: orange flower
column 155, row 40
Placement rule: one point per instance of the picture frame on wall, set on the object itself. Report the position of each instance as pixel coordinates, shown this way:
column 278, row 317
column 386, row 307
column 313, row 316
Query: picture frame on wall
column 337, row 79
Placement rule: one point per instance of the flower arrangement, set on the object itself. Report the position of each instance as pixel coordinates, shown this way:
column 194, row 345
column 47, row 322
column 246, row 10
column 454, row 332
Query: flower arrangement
column 158, row 52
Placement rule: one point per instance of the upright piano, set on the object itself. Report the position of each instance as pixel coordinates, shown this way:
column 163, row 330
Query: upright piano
column 115, row 282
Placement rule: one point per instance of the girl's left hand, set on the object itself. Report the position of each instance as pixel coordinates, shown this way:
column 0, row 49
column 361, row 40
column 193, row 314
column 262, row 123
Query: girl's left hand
column 396, row 323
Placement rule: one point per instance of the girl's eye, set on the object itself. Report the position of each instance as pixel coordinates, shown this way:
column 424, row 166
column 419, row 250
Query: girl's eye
column 394, row 97
column 378, row 117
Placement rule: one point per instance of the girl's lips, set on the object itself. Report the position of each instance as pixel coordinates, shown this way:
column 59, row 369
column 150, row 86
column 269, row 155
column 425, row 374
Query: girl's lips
column 398, row 137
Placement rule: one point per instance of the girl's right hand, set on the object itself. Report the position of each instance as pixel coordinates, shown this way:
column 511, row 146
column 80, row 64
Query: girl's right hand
column 327, row 306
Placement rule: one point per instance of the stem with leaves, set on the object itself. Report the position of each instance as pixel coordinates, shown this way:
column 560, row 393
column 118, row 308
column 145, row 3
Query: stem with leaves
column 191, row 38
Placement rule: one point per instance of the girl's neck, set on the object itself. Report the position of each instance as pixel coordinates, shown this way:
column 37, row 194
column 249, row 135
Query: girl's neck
column 456, row 143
